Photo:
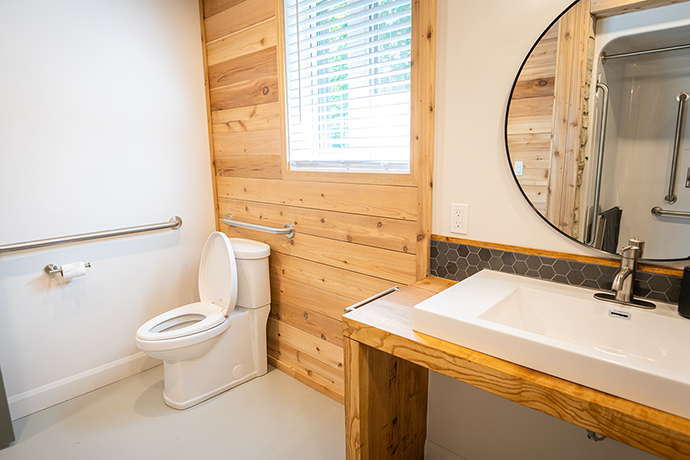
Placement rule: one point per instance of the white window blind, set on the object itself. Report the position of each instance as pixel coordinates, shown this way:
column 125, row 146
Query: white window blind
column 348, row 84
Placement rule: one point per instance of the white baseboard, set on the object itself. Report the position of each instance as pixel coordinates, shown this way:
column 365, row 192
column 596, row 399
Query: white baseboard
column 433, row 451
column 53, row 393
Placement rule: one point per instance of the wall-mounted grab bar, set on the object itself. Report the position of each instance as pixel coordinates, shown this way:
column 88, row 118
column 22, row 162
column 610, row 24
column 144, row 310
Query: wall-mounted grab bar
column 682, row 98
column 370, row 299
column 288, row 230
column 600, row 161
column 173, row 223
column 638, row 53
column 657, row 211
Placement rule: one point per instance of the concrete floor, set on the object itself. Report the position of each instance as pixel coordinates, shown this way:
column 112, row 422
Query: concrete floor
column 272, row 417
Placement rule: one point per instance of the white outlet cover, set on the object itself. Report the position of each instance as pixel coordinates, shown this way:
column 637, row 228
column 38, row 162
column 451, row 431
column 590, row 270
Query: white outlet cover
column 459, row 214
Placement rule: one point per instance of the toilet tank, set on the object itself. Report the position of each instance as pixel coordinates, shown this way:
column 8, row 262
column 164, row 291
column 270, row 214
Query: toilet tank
column 253, row 277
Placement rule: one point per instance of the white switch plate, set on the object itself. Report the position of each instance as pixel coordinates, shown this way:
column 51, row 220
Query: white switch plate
column 458, row 218
column 518, row 168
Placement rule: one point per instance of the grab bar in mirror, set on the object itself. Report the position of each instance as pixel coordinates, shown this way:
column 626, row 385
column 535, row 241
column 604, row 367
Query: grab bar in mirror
column 682, row 98
column 657, row 211
column 288, row 230
column 605, row 57
column 600, row 160
column 174, row 223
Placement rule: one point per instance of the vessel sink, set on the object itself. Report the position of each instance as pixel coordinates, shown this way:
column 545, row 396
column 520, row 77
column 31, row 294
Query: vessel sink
column 561, row 330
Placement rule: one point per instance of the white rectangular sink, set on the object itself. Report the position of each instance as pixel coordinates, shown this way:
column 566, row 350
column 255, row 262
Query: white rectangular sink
column 640, row 355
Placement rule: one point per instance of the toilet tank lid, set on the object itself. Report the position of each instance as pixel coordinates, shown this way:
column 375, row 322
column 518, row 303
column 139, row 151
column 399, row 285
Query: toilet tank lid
column 249, row 249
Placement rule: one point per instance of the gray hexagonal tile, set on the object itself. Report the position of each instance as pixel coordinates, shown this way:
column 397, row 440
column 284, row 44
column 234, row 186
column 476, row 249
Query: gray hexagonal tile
column 508, row 258
column 561, row 267
column 546, row 272
column 520, row 267
column 575, row 277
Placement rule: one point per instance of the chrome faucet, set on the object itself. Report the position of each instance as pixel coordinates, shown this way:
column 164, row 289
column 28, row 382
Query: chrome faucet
column 624, row 281
column 625, row 278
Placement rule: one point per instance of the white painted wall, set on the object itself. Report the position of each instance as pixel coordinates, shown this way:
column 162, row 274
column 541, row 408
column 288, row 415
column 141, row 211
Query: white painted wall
column 480, row 48
column 103, row 125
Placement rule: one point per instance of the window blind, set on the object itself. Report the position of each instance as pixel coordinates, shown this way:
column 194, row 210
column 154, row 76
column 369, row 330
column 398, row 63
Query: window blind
column 348, row 84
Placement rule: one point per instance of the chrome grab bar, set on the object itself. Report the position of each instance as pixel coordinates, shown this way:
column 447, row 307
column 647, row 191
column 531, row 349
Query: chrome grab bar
column 682, row 98
column 174, row 223
column 370, row 299
column 657, row 211
column 638, row 53
column 600, row 160
column 288, row 230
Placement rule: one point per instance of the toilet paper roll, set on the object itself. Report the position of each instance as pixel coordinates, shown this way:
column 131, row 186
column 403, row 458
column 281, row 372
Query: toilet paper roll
column 73, row 270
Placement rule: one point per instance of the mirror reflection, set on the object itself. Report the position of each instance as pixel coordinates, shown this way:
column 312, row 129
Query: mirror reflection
column 596, row 129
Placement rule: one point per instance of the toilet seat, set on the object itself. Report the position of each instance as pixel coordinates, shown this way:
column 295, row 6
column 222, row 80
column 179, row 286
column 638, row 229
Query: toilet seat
column 182, row 321
column 217, row 291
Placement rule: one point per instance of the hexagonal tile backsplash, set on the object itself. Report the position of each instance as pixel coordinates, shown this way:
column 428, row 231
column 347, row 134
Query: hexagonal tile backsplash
column 456, row 261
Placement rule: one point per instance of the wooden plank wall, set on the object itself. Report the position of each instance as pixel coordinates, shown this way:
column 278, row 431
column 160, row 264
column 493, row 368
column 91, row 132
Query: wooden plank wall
column 530, row 119
column 353, row 239
column 571, row 78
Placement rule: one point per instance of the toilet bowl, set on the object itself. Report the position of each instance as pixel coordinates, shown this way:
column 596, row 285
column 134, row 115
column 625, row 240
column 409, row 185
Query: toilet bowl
column 210, row 346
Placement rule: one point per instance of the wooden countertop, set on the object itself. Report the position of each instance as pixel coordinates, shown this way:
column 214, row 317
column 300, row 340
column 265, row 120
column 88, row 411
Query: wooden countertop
column 386, row 325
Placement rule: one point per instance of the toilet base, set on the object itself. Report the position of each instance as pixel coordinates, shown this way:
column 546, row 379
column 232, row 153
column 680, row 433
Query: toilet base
column 238, row 356
column 176, row 404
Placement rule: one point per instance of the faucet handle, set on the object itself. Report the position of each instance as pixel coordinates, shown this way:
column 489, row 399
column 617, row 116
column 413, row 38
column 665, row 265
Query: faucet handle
column 635, row 241
column 636, row 246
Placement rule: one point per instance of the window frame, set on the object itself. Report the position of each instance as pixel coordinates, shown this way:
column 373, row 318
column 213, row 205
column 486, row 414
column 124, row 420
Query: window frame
column 421, row 122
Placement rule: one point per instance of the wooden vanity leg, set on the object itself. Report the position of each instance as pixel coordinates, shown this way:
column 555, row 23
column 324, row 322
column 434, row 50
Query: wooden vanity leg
column 385, row 405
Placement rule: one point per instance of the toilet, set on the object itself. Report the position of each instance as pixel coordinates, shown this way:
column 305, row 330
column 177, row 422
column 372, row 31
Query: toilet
column 210, row 346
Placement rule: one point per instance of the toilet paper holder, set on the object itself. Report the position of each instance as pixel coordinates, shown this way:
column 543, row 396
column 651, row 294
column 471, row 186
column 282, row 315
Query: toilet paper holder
column 52, row 269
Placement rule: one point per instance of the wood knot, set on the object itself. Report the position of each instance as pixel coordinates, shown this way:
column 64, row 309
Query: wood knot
column 323, row 221
column 265, row 90
column 379, row 225
column 306, row 315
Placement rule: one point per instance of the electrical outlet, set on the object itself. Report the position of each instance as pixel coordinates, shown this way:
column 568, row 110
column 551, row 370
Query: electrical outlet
column 458, row 218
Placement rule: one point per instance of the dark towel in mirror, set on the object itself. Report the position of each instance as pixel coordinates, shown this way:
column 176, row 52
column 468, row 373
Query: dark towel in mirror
column 612, row 227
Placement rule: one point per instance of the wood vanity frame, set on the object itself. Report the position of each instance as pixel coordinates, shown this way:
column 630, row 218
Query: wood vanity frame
column 386, row 385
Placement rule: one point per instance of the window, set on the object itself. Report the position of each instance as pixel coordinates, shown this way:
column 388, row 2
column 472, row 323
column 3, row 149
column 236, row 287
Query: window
column 348, row 69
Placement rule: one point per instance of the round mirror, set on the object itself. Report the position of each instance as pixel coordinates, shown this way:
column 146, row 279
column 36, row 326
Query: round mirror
column 596, row 129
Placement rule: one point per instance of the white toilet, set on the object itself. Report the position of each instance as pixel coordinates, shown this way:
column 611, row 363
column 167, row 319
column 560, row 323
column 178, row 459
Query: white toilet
column 211, row 346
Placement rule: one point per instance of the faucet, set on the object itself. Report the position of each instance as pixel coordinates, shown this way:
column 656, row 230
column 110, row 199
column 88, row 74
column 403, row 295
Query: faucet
column 624, row 281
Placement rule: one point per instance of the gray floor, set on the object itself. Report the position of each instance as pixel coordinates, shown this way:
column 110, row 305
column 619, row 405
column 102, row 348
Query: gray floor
column 272, row 417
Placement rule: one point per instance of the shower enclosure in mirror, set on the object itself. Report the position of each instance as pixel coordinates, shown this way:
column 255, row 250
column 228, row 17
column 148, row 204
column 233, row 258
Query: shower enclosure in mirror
column 596, row 130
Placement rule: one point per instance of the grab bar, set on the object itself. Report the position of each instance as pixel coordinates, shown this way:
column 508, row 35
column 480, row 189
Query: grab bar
column 370, row 299
column 638, row 53
column 657, row 211
column 600, row 160
column 174, row 223
column 288, row 230
column 682, row 98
